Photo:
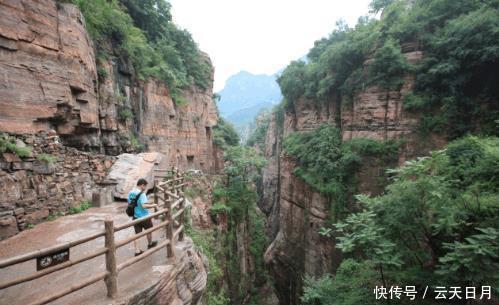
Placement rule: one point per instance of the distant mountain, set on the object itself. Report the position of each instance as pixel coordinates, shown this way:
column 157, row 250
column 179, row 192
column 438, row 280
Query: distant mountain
column 244, row 95
column 244, row 119
column 245, row 90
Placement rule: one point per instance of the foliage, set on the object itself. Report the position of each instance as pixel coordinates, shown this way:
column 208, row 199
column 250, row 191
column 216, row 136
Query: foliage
column 351, row 285
column 384, row 150
column 236, row 198
column 259, row 241
column 437, row 220
column 224, row 134
column 9, row 144
column 84, row 205
column 219, row 208
column 257, row 137
column 193, row 191
column 323, row 163
column 388, row 66
column 456, row 81
column 101, row 73
column 205, row 241
column 278, row 111
column 120, row 98
column 477, row 252
column 135, row 142
column 125, row 114
column 360, row 231
column 242, row 164
column 459, row 73
column 144, row 31
column 46, row 158
column 53, row 217
column 329, row 165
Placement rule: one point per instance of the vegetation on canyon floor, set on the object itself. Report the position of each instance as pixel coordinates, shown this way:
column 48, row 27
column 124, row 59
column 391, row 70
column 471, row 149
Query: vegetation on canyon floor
column 234, row 209
column 235, row 198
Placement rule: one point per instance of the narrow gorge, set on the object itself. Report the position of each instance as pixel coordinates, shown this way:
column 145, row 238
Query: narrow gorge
column 379, row 169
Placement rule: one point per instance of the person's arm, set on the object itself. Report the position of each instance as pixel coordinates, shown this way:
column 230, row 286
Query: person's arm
column 144, row 203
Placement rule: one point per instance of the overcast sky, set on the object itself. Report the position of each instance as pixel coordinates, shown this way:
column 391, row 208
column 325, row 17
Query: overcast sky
column 260, row 36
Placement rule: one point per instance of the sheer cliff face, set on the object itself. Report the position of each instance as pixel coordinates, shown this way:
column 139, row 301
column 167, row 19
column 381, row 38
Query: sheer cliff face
column 296, row 211
column 47, row 67
column 50, row 81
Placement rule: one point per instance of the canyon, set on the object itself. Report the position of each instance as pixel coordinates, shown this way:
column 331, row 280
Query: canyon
column 295, row 210
column 80, row 123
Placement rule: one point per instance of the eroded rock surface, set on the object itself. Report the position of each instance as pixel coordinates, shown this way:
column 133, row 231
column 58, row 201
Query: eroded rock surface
column 182, row 283
column 295, row 211
column 50, row 81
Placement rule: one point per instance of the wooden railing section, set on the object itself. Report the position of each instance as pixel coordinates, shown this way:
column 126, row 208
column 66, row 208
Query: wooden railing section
column 168, row 194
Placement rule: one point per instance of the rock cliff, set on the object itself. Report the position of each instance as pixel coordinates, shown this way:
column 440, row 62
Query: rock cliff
column 295, row 211
column 50, row 80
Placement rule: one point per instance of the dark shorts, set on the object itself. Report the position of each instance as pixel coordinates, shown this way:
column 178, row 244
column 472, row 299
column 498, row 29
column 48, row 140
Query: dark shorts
column 146, row 224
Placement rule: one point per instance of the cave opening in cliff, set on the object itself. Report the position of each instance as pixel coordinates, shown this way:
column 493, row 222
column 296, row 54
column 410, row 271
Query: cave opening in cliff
column 208, row 132
column 190, row 161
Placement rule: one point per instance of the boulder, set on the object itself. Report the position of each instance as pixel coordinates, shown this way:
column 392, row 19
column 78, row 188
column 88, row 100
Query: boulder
column 129, row 168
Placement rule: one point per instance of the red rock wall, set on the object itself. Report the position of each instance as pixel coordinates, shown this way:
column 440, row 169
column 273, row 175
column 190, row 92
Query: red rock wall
column 33, row 189
column 49, row 81
column 47, row 68
column 295, row 211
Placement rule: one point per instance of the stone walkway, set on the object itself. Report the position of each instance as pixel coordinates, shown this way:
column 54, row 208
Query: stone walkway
column 131, row 280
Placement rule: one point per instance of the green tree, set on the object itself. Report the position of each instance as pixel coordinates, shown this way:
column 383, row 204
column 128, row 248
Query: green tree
column 351, row 285
column 389, row 66
column 437, row 220
column 224, row 134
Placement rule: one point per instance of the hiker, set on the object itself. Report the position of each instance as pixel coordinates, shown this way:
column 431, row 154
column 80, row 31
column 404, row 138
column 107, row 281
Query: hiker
column 140, row 211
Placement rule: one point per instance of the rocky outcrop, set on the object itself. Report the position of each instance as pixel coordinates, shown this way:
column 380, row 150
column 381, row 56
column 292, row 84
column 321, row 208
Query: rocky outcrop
column 48, row 69
column 49, row 182
column 129, row 168
column 295, row 211
column 50, row 81
column 182, row 283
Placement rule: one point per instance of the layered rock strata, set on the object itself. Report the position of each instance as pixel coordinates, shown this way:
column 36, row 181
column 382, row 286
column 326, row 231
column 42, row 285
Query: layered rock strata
column 50, row 80
column 295, row 211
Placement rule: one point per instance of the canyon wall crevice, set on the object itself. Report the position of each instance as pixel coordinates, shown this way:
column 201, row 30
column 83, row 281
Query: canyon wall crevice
column 295, row 211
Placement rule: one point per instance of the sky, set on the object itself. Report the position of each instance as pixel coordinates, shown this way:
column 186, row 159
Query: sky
column 260, row 36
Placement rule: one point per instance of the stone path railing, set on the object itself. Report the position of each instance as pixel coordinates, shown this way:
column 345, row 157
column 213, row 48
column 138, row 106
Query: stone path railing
column 171, row 207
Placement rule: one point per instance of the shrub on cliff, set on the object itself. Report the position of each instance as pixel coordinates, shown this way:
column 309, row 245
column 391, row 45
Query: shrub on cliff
column 351, row 285
column 436, row 224
column 257, row 137
column 8, row 144
column 456, row 82
column 144, row 31
column 329, row 165
column 224, row 134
